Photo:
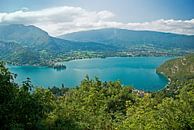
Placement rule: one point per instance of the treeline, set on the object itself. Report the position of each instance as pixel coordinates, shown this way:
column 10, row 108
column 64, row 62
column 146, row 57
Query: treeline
column 94, row 105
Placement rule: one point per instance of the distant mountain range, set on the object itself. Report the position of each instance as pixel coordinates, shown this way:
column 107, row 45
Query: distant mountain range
column 29, row 45
column 125, row 39
column 37, row 39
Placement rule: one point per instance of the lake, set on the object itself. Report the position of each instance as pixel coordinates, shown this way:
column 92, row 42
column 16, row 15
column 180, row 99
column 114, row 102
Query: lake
column 139, row 72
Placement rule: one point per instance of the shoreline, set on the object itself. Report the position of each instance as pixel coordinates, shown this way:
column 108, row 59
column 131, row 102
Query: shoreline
column 167, row 77
column 165, row 83
column 51, row 65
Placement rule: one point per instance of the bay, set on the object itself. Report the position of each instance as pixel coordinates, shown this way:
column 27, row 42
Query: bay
column 139, row 72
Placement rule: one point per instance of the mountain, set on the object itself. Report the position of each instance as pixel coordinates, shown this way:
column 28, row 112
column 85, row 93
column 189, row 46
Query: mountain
column 25, row 35
column 30, row 45
column 127, row 38
column 33, row 37
column 15, row 53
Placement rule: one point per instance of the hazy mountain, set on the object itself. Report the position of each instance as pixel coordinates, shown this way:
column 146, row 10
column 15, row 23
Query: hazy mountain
column 33, row 37
column 30, row 45
column 126, row 38
column 25, row 35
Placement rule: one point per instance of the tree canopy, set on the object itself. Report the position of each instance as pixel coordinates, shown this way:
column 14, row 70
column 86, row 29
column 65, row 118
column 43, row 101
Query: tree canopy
column 94, row 105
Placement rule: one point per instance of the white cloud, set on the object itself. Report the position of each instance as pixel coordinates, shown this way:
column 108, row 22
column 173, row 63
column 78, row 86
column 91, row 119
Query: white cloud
column 66, row 19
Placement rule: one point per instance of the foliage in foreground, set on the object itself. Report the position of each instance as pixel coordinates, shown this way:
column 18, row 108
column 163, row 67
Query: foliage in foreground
column 93, row 105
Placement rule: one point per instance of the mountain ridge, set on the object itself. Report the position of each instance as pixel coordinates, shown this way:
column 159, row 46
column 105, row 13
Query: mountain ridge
column 126, row 38
column 40, row 44
column 36, row 47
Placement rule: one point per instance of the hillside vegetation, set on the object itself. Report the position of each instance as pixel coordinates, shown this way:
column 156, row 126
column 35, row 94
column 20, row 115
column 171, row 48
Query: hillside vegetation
column 126, row 39
column 94, row 105
column 21, row 41
column 29, row 45
column 179, row 69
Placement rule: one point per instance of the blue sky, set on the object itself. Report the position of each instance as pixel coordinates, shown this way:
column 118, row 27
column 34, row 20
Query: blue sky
column 115, row 13
column 126, row 10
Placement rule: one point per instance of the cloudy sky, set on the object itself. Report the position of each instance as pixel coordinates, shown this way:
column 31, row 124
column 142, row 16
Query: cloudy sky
column 64, row 16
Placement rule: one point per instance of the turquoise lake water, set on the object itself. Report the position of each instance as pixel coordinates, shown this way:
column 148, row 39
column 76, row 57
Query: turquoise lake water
column 139, row 72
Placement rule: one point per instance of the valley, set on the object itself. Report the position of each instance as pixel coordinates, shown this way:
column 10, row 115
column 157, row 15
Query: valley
column 96, row 65
column 29, row 45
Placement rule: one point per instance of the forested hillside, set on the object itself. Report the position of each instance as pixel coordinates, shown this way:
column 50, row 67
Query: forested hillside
column 94, row 105
column 18, row 41
column 179, row 69
column 30, row 45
